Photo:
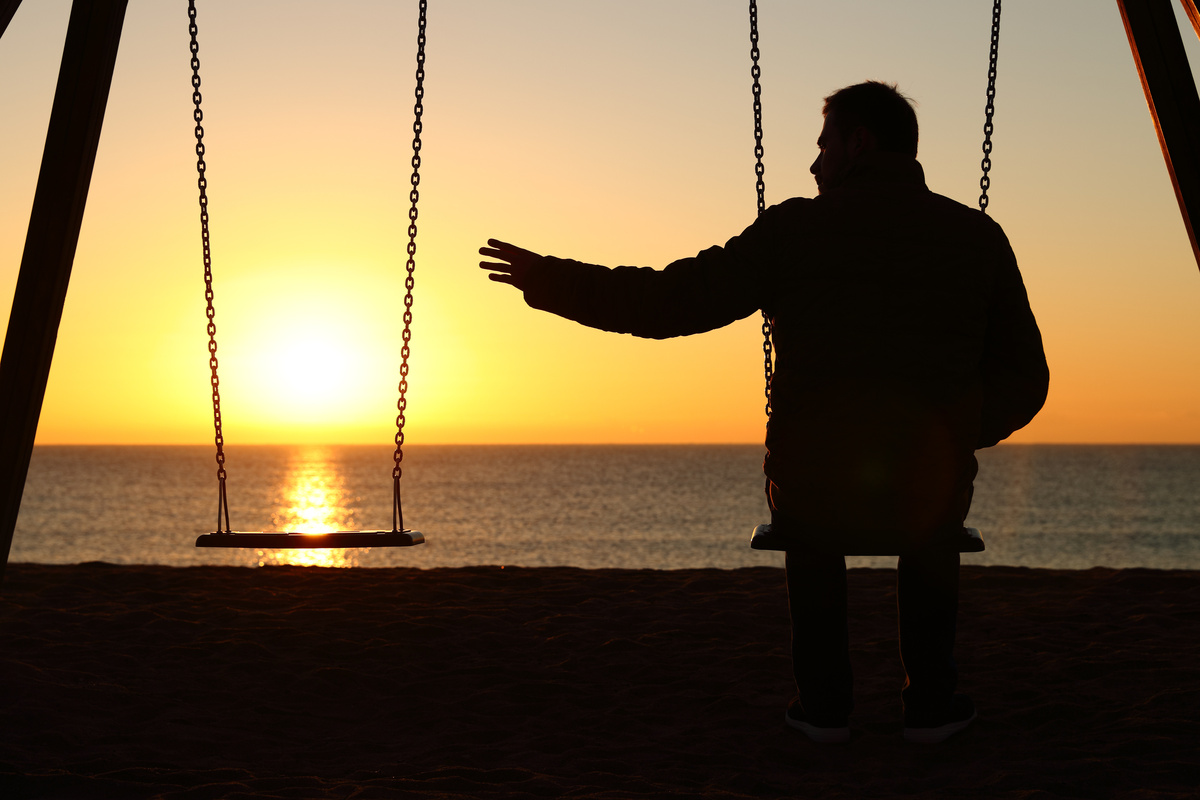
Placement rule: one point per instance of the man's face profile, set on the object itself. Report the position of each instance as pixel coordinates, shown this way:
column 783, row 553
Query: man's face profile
column 833, row 160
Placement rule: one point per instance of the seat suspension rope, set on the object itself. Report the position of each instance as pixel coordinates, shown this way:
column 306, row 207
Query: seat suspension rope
column 985, row 182
column 410, row 266
column 756, row 73
column 202, row 182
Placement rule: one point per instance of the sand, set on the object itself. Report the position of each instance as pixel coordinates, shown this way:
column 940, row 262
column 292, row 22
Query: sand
column 131, row 682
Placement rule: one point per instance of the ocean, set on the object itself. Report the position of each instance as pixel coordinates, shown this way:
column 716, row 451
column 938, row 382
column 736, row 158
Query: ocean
column 590, row 506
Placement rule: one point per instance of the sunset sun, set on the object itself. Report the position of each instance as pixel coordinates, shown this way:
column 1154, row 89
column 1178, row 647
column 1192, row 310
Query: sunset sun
column 315, row 353
column 305, row 372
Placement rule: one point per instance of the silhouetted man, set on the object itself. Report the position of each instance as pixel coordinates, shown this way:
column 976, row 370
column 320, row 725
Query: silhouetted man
column 904, row 341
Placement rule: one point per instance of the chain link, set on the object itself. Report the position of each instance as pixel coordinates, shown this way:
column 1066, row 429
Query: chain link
column 202, row 183
column 985, row 182
column 409, row 266
column 759, row 185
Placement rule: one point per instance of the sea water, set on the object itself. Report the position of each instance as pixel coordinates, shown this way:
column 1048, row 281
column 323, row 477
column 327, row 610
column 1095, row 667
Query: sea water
column 594, row 506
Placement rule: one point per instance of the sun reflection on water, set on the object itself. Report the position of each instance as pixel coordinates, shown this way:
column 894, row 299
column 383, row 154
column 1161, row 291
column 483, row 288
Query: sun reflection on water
column 313, row 499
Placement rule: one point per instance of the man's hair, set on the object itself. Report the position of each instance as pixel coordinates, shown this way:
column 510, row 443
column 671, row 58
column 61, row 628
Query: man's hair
column 881, row 109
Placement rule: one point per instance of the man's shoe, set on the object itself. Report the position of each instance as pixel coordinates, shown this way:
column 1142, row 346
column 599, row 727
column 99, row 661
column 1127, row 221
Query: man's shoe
column 928, row 730
column 824, row 733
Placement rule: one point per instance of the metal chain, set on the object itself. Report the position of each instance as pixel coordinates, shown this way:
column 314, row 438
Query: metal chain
column 202, row 183
column 410, row 266
column 985, row 182
column 759, row 185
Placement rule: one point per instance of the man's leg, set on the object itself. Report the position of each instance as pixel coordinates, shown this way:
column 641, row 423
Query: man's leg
column 816, row 584
column 927, row 597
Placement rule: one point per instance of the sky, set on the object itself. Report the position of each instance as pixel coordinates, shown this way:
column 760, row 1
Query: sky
column 614, row 131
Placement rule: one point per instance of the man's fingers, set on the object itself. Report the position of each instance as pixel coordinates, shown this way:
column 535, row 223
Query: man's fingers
column 512, row 264
column 502, row 245
column 500, row 249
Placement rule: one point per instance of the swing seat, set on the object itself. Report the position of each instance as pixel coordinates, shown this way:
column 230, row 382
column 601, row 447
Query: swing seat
column 766, row 537
column 292, row 540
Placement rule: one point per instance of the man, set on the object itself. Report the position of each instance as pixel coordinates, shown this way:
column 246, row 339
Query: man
column 904, row 341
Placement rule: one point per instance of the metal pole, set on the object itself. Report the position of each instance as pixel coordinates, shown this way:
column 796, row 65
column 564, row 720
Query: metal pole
column 93, row 33
column 7, row 9
column 1171, row 94
column 1189, row 8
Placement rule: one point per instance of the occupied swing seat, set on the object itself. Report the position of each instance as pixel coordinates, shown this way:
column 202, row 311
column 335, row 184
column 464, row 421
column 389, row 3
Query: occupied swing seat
column 772, row 536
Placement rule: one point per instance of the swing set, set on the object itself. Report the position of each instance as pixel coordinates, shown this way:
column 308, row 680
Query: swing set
column 89, row 54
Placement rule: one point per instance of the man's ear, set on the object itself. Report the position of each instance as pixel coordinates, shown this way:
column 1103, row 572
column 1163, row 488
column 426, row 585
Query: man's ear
column 861, row 141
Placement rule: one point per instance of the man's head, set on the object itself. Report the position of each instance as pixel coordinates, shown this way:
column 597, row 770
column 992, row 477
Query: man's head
column 860, row 119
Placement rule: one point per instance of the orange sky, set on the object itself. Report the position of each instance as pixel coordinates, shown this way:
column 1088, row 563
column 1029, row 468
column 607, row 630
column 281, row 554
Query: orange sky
column 565, row 128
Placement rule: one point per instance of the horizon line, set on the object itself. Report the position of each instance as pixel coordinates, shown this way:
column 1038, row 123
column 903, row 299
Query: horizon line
column 564, row 444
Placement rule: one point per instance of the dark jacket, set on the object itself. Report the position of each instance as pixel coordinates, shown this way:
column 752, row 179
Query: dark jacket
column 903, row 339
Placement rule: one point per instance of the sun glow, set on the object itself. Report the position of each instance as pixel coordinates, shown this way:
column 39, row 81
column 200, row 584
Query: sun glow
column 313, row 500
column 305, row 368
column 314, row 355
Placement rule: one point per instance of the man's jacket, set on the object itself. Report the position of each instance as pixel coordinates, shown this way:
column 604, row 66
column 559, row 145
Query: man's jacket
column 903, row 337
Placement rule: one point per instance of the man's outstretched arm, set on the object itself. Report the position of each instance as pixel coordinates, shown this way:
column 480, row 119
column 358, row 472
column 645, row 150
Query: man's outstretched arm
column 707, row 291
column 688, row 296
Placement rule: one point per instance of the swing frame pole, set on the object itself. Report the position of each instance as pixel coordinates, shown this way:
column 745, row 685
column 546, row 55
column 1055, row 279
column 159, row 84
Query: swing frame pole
column 84, row 78
column 1162, row 65
column 7, row 9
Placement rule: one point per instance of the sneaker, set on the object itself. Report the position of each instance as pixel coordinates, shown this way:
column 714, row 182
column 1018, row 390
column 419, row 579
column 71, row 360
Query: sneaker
column 928, row 730
column 826, row 734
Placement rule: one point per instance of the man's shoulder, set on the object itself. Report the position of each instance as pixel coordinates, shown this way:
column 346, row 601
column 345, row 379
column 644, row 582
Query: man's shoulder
column 953, row 206
column 965, row 212
column 782, row 218
column 947, row 212
column 965, row 226
column 917, row 202
column 791, row 206
column 787, row 214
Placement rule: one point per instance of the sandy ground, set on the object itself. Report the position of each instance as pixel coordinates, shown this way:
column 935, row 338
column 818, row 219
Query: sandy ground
column 210, row 682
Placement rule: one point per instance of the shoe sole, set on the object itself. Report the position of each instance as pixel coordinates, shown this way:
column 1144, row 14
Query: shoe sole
column 821, row 735
column 939, row 734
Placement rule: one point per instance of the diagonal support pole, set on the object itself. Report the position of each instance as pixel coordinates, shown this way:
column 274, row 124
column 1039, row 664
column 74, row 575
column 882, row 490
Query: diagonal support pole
column 1170, row 90
column 1189, row 8
column 7, row 9
column 93, row 33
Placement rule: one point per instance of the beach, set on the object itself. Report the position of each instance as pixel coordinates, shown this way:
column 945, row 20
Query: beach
column 296, row 682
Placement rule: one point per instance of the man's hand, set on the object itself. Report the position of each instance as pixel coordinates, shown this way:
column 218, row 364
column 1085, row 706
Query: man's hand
column 517, row 266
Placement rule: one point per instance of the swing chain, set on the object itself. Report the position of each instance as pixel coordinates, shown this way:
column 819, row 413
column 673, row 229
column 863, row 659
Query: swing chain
column 759, row 185
column 410, row 267
column 985, row 182
column 756, row 73
column 202, row 183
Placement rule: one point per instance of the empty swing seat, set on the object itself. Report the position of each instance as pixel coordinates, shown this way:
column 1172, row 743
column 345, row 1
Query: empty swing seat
column 767, row 537
column 292, row 540
column 296, row 540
